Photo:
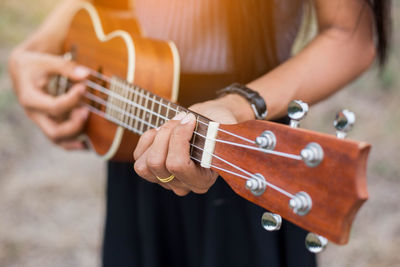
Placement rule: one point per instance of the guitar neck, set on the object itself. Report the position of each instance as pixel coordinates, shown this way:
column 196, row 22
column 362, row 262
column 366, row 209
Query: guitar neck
column 138, row 110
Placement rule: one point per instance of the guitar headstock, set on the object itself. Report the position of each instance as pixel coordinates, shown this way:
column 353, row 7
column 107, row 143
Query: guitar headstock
column 317, row 181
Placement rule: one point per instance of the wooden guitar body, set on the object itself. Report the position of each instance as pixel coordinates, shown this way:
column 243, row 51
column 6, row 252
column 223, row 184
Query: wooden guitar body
column 111, row 43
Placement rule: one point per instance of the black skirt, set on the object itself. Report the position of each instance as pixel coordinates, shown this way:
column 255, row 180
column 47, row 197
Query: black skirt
column 149, row 226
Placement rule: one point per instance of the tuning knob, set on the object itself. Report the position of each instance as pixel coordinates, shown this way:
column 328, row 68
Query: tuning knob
column 301, row 203
column 271, row 221
column 344, row 122
column 266, row 140
column 297, row 110
column 315, row 243
column 256, row 184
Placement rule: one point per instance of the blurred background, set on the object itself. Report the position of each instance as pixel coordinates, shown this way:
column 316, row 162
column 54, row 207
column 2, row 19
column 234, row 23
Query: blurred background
column 52, row 202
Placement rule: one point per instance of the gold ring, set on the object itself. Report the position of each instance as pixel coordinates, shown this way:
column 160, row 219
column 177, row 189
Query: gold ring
column 166, row 180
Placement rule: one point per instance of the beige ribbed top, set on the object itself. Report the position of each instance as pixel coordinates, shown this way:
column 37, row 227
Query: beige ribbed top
column 214, row 35
column 197, row 27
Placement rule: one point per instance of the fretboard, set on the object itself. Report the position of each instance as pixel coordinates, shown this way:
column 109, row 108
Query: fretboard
column 139, row 110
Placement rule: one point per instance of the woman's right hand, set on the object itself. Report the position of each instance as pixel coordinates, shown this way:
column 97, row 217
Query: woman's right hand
column 61, row 118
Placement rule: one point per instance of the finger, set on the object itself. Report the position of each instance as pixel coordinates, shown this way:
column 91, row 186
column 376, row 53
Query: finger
column 158, row 150
column 178, row 160
column 144, row 143
column 68, row 129
column 59, row 65
column 55, row 106
column 157, row 154
column 72, row 145
column 180, row 191
column 143, row 171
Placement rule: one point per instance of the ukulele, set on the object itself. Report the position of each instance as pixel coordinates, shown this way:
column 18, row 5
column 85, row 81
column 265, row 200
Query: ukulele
column 316, row 181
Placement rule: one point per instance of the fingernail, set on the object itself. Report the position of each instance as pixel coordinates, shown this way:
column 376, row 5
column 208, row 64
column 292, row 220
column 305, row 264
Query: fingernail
column 158, row 128
column 81, row 72
column 188, row 118
column 179, row 116
column 85, row 113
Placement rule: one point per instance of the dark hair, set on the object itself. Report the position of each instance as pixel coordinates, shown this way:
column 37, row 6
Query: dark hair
column 383, row 27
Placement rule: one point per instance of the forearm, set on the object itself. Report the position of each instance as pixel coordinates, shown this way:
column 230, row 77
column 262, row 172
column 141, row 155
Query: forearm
column 343, row 49
column 326, row 65
column 50, row 35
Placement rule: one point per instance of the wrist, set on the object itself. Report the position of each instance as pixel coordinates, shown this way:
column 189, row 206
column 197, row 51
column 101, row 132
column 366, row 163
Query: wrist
column 238, row 106
column 252, row 97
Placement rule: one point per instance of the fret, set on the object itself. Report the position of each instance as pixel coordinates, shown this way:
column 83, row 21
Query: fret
column 132, row 120
column 130, row 106
column 146, row 114
column 194, row 136
column 175, row 108
column 180, row 108
column 109, row 99
column 117, row 102
column 115, row 113
column 154, row 118
column 152, row 109
column 158, row 112
column 138, row 109
column 141, row 110
column 120, row 111
column 125, row 92
column 110, row 110
column 168, row 109
column 163, row 112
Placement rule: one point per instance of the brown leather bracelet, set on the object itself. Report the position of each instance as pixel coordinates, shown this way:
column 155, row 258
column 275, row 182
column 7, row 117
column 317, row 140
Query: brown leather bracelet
column 256, row 102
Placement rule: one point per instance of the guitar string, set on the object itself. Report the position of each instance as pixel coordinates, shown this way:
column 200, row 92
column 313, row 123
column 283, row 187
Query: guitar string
column 280, row 190
column 103, row 114
column 126, row 88
column 251, row 176
column 101, row 101
column 277, row 153
column 134, row 91
column 119, row 97
column 248, row 173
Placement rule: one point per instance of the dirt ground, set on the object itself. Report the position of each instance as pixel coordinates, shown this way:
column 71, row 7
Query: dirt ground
column 52, row 202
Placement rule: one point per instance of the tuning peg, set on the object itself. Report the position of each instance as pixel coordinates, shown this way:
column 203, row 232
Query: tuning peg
column 315, row 243
column 266, row 140
column 301, row 203
column 271, row 221
column 297, row 110
column 312, row 154
column 256, row 184
column 344, row 122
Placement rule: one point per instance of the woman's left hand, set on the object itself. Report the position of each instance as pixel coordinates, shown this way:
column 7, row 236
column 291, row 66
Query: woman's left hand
column 166, row 151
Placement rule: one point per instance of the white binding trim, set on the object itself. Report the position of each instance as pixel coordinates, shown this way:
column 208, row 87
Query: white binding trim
column 98, row 27
column 209, row 144
column 177, row 70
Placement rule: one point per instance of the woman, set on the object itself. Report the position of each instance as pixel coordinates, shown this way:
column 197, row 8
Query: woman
column 220, row 42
